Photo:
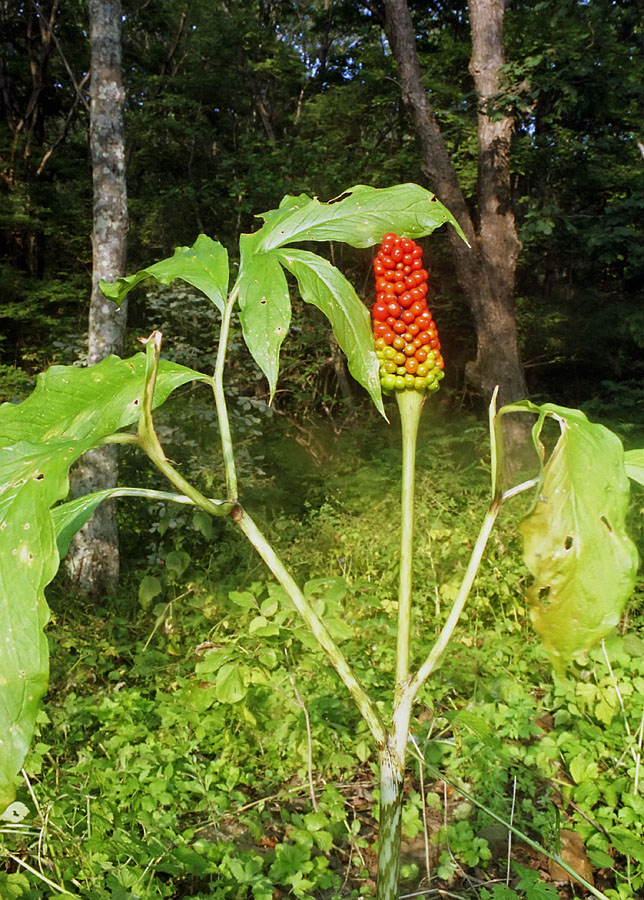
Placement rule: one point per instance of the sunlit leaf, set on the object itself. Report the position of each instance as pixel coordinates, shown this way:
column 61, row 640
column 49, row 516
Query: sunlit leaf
column 575, row 540
column 229, row 685
column 361, row 217
column 71, row 411
column 634, row 465
column 264, row 307
column 204, row 266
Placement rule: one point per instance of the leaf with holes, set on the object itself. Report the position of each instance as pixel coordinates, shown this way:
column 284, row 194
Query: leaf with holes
column 264, row 307
column 575, row 540
column 204, row 266
column 71, row 411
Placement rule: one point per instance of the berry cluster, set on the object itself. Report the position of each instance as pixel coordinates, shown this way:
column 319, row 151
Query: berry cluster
column 407, row 342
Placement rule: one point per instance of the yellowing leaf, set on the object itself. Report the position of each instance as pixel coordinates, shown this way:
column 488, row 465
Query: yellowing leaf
column 575, row 540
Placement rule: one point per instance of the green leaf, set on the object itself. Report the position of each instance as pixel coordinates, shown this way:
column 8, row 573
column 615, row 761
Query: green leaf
column 534, row 888
column 204, row 266
column 70, row 403
column 575, row 540
column 203, row 522
column 176, row 563
column 230, row 687
column 264, row 307
column 361, row 217
column 324, row 286
column 627, row 843
column 634, row 464
column 243, row 599
column 71, row 411
column 71, row 516
column 149, row 588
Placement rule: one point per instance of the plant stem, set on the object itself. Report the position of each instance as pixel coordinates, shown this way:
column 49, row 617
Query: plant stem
column 389, row 824
column 410, row 404
column 435, row 654
column 220, row 398
column 364, row 703
column 392, row 756
column 149, row 441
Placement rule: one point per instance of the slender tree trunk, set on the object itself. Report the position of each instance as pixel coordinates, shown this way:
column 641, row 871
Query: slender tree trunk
column 486, row 269
column 93, row 560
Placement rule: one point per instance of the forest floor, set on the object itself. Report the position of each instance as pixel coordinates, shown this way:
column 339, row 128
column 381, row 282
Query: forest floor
column 195, row 743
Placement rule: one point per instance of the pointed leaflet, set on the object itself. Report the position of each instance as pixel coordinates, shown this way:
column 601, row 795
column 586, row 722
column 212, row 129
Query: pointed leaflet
column 70, row 411
column 264, row 306
column 575, row 542
column 324, row 286
column 204, row 266
column 361, row 218
column 68, row 518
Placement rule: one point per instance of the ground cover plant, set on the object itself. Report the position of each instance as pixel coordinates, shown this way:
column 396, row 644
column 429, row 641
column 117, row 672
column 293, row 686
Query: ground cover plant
column 581, row 560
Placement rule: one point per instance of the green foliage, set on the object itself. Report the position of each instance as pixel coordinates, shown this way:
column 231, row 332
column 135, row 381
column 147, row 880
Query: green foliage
column 263, row 637
column 575, row 541
column 225, row 756
column 527, row 885
column 204, row 266
column 71, row 411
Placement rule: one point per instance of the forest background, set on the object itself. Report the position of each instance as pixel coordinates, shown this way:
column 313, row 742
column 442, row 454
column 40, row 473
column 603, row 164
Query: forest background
column 228, row 107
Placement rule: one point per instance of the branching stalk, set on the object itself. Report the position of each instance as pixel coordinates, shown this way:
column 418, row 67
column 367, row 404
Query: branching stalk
column 149, row 441
column 364, row 703
column 445, row 635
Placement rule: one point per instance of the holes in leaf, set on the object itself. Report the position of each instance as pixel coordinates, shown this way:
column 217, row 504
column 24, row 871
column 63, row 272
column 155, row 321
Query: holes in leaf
column 568, row 542
column 39, row 476
column 544, row 595
column 262, row 302
column 136, row 402
column 605, row 521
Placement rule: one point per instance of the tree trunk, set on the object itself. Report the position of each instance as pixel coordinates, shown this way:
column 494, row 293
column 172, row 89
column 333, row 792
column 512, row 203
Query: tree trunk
column 486, row 269
column 93, row 559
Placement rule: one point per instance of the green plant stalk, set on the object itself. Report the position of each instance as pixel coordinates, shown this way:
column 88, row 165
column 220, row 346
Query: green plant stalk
column 149, row 441
column 150, row 444
column 362, row 700
column 410, row 404
column 220, row 398
column 392, row 757
column 389, row 824
column 411, row 689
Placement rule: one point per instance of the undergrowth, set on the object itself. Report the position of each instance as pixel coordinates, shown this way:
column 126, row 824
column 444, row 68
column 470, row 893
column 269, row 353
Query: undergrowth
column 194, row 742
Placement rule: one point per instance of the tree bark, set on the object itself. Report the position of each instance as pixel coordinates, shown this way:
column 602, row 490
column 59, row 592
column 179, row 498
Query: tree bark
column 485, row 269
column 93, row 559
